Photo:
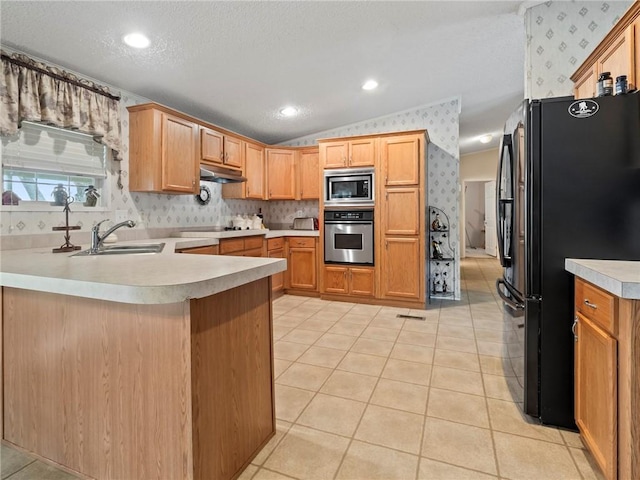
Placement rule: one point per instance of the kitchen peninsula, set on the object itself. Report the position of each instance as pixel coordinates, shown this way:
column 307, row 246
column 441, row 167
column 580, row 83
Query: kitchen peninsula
column 138, row 366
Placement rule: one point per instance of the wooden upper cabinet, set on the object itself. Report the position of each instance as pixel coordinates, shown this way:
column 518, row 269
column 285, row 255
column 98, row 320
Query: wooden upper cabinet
column 618, row 53
column 308, row 175
column 281, row 178
column 163, row 150
column 348, row 153
column 219, row 149
column 254, row 170
column 400, row 157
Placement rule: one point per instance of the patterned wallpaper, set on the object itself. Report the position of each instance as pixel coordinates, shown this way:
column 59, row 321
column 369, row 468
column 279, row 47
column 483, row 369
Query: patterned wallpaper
column 443, row 155
column 560, row 36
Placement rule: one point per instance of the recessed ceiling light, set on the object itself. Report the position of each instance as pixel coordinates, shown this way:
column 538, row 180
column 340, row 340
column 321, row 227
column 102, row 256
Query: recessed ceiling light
column 136, row 40
column 289, row 111
column 486, row 138
column 370, row 85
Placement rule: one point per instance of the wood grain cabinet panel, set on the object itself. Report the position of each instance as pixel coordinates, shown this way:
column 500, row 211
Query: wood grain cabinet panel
column 585, row 86
column 335, row 280
column 217, row 148
column 309, row 175
column 334, row 154
column 281, row 178
column 362, row 153
column 618, row 59
column 401, row 268
column 277, row 280
column 208, row 250
column 302, row 264
column 401, row 161
column 401, row 215
column 348, row 153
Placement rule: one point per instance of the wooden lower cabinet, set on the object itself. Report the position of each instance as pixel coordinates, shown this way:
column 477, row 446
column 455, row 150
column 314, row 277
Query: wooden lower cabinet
column 349, row 280
column 242, row 246
column 208, row 250
column 400, row 269
column 275, row 249
column 302, row 270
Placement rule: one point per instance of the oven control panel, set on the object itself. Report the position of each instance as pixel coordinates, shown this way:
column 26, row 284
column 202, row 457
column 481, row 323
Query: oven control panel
column 348, row 215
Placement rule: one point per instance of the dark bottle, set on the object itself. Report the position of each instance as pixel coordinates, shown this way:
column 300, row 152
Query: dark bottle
column 605, row 85
column 621, row 85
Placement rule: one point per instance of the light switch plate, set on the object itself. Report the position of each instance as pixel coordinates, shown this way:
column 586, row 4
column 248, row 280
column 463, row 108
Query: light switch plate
column 121, row 216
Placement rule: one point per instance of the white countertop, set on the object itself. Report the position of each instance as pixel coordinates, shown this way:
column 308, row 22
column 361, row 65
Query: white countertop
column 166, row 277
column 619, row 277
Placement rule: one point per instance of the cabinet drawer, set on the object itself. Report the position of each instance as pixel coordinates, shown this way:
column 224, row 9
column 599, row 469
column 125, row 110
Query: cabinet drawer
column 229, row 245
column 209, row 250
column 275, row 243
column 308, row 242
column 253, row 242
column 597, row 305
column 254, row 252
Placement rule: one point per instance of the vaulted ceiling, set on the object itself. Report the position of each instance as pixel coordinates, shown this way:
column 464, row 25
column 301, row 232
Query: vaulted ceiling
column 237, row 63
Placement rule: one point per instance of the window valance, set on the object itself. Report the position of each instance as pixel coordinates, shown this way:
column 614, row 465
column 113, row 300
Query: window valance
column 36, row 92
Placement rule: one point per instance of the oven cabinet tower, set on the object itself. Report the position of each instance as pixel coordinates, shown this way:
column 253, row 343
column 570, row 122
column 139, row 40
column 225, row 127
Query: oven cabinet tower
column 397, row 276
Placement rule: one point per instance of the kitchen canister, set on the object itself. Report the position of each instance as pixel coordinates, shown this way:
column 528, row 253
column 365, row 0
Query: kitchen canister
column 605, row 85
column 622, row 86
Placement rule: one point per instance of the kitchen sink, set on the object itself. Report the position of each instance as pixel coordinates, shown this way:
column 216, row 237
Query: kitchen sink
column 124, row 249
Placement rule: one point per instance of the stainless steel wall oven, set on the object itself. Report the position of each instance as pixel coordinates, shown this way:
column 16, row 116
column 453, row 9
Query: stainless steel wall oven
column 348, row 237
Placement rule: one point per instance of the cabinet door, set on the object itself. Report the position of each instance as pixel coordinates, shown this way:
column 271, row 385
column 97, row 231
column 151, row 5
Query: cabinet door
column 309, row 175
column 281, row 174
column 401, row 211
column 336, row 279
column 596, row 393
column 334, row 154
column 400, row 162
column 254, row 170
column 362, row 153
column 211, row 146
column 179, row 163
column 277, row 279
column 302, row 268
column 232, row 152
column 585, row 86
column 400, row 269
column 618, row 58
column 362, row 281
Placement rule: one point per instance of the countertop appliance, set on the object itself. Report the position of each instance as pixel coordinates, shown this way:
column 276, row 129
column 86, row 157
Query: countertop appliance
column 568, row 186
column 348, row 237
column 305, row 223
column 349, row 187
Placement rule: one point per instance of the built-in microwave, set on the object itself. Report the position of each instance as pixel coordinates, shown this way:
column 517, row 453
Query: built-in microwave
column 349, row 187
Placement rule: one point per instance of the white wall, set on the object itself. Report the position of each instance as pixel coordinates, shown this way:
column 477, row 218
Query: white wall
column 474, row 212
column 475, row 167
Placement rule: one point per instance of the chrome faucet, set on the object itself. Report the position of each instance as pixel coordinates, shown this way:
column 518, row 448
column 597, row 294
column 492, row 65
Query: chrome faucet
column 97, row 240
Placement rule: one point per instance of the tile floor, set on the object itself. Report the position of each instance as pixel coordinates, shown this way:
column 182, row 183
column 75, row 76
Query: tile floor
column 363, row 394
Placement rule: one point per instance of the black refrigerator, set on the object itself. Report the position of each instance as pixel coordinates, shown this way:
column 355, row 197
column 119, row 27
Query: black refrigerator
column 568, row 186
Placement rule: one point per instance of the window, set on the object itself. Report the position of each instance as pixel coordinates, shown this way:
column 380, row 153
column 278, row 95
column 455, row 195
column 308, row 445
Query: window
column 40, row 159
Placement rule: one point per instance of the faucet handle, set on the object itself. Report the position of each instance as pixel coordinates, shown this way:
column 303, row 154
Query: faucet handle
column 96, row 227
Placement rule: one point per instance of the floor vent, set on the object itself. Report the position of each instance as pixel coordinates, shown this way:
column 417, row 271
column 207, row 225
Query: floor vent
column 410, row 317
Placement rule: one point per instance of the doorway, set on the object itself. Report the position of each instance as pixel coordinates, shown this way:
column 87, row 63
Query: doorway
column 479, row 239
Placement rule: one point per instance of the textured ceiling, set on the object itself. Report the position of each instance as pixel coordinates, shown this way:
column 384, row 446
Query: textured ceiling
column 236, row 64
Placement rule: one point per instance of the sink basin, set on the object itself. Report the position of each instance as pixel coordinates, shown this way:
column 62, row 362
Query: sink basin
column 124, row 249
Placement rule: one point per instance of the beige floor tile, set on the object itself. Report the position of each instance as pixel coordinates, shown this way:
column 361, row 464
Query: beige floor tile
column 420, row 326
column 507, row 417
column 497, row 336
column 387, row 321
column 308, row 377
column 525, row 458
column 586, row 464
column 491, row 324
column 433, row 470
column 411, row 372
column 371, row 462
column 460, row 360
column 338, row 307
column 303, row 311
column 318, row 324
column 280, row 366
column 41, row 470
column 379, row 333
column 364, row 309
column 288, row 321
column 280, row 331
column 322, row 357
column 457, row 344
column 462, row 445
column 350, row 385
column 362, row 363
column 456, row 321
column 456, row 331
column 382, row 348
column 308, row 453
column 12, row 460
column 346, row 328
column 391, row 428
column 496, row 366
column 340, row 342
column 298, row 335
column 493, row 349
column 332, row 414
column 458, row 407
column 412, row 353
column 357, row 319
column 572, row 439
column 248, row 472
column 458, row 380
column 288, row 351
column 282, row 428
column 417, row 338
column 290, row 402
column 264, row 474
column 503, row 388
column 400, row 395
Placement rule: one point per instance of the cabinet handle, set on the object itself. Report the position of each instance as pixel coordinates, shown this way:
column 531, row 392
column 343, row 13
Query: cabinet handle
column 345, row 274
column 573, row 328
column 248, row 191
column 589, row 304
column 386, row 244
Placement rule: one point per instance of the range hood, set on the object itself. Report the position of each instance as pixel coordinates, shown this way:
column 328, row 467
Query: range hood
column 210, row 173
